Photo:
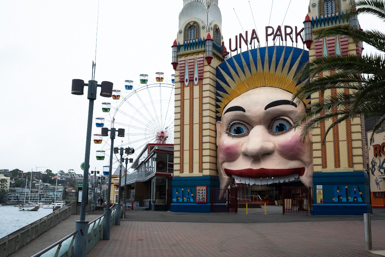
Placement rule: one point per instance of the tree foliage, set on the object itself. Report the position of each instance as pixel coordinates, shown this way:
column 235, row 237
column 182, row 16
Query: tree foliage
column 360, row 79
column 16, row 173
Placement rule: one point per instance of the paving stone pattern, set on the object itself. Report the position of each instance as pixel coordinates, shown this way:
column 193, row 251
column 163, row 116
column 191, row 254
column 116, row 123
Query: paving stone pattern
column 317, row 236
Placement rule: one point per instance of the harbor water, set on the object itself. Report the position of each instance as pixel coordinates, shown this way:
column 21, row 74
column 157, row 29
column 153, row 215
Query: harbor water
column 11, row 219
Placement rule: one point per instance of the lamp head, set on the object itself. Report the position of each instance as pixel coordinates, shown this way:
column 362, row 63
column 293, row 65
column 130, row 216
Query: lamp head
column 77, row 87
column 106, row 89
column 120, row 132
column 104, row 132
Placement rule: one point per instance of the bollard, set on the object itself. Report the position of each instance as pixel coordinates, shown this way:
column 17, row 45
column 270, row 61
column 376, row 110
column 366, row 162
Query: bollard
column 247, row 210
column 132, row 205
column 265, row 208
column 368, row 231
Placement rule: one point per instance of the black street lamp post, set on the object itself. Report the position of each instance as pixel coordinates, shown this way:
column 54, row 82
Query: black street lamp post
column 125, row 184
column 94, row 173
column 119, row 207
column 107, row 210
column 80, row 246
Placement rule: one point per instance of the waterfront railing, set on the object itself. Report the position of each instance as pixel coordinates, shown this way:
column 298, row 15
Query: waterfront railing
column 64, row 247
column 16, row 240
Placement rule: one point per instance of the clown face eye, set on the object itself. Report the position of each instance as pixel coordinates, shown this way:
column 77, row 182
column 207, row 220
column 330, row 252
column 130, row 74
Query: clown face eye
column 280, row 125
column 237, row 129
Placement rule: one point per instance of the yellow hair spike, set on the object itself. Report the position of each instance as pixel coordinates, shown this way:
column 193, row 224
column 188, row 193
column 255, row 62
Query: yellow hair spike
column 294, row 68
column 280, row 64
column 235, row 76
column 259, row 61
column 252, row 65
column 239, row 70
column 228, row 79
column 266, row 66
column 285, row 70
column 245, row 68
column 272, row 65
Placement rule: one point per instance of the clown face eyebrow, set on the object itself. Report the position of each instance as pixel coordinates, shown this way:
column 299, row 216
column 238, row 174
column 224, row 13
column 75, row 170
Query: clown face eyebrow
column 234, row 109
column 278, row 103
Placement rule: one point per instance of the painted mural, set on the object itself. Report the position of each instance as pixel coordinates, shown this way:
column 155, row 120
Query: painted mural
column 256, row 141
column 377, row 162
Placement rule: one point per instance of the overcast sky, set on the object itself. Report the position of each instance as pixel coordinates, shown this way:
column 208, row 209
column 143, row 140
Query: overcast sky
column 45, row 44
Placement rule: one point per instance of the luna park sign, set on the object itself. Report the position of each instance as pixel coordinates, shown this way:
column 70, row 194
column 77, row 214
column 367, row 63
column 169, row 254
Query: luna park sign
column 284, row 33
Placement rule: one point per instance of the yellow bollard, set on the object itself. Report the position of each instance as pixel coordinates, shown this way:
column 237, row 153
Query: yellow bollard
column 265, row 209
column 247, row 210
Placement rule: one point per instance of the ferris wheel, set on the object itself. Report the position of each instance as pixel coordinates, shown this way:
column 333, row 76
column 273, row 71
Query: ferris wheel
column 144, row 110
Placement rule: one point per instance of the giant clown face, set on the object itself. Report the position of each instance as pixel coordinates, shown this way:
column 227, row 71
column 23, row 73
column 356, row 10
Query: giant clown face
column 257, row 143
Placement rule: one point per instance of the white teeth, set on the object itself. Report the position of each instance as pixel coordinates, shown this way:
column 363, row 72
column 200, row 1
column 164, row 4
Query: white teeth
column 267, row 181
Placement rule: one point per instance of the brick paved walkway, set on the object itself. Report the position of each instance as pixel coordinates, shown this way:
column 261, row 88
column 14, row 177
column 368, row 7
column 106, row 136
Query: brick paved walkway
column 335, row 237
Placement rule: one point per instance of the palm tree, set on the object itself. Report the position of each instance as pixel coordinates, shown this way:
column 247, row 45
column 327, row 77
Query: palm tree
column 363, row 76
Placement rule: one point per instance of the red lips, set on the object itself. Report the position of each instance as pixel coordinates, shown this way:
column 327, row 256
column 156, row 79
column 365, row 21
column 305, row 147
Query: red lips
column 262, row 173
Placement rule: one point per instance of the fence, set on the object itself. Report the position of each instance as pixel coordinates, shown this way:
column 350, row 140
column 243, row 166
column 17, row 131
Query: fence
column 16, row 240
column 296, row 200
column 228, row 202
column 64, row 247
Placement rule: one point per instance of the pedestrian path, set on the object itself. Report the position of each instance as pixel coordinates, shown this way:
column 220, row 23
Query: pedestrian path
column 53, row 235
column 255, row 234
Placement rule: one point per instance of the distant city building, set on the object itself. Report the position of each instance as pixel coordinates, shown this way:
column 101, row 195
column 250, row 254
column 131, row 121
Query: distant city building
column 6, row 172
column 6, row 184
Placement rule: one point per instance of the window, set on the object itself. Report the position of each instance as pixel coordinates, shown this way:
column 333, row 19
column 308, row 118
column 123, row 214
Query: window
column 192, row 33
column 217, row 35
column 329, row 7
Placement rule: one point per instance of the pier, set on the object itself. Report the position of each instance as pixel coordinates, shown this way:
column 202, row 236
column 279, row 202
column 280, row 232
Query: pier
column 151, row 233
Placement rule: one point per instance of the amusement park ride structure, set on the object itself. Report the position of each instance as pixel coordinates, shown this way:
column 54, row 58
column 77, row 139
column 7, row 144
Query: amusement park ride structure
column 144, row 110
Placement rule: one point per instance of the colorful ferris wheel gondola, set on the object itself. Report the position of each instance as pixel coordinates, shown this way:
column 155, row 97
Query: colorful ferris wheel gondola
column 99, row 122
column 106, row 107
column 129, row 84
column 100, row 155
column 159, row 76
column 98, row 139
column 106, row 170
column 143, row 78
column 116, row 94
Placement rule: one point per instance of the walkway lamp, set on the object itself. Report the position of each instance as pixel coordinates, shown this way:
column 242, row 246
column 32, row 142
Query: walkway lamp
column 107, row 210
column 80, row 245
column 127, row 151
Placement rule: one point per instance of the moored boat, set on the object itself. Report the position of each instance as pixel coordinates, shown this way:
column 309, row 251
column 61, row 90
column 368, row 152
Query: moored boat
column 32, row 208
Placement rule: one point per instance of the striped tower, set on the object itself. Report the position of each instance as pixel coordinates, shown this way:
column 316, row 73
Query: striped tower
column 197, row 52
column 340, row 184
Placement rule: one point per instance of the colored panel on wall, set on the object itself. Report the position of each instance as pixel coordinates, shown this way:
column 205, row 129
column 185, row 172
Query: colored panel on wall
column 344, row 193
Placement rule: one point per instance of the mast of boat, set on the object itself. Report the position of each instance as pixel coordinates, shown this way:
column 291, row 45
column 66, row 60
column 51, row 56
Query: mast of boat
column 55, row 189
column 25, row 190
column 30, row 187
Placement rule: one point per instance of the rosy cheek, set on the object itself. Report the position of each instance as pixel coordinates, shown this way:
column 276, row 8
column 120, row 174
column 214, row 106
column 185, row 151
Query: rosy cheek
column 229, row 152
column 292, row 148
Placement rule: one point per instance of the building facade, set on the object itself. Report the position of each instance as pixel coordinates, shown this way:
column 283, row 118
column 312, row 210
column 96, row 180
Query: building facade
column 197, row 51
column 340, row 185
column 4, row 182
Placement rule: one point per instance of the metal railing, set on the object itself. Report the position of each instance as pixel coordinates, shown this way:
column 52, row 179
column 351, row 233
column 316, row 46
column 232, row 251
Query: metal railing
column 64, row 247
column 16, row 240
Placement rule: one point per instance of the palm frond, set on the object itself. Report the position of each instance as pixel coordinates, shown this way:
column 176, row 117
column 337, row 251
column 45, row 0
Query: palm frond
column 373, row 7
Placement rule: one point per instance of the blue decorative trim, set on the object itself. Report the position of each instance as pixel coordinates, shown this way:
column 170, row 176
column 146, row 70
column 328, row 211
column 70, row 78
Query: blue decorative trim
column 324, row 21
column 338, row 202
column 190, row 183
column 194, row 207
